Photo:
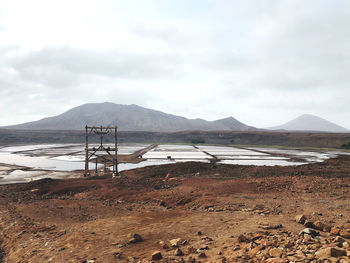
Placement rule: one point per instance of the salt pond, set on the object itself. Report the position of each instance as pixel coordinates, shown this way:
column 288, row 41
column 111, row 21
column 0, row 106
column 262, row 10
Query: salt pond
column 57, row 160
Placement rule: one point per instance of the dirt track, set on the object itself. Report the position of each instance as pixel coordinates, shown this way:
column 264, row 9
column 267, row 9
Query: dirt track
column 77, row 220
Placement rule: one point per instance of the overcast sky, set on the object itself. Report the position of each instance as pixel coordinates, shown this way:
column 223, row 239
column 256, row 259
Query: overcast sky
column 263, row 62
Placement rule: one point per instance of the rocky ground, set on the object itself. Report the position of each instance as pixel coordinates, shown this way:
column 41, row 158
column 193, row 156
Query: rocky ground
column 186, row 212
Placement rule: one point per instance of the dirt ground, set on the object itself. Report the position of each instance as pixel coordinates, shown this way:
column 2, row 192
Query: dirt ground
column 218, row 213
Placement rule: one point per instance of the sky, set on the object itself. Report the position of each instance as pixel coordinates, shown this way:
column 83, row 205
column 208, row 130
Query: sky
column 264, row 62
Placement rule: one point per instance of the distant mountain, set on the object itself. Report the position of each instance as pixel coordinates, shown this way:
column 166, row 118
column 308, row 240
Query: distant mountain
column 128, row 118
column 308, row 122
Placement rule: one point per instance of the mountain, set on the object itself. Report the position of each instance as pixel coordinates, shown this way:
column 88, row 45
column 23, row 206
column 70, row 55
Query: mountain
column 308, row 122
column 128, row 118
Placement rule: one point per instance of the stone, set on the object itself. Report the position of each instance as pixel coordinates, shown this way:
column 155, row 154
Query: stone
column 330, row 252
column 334, row 231
column 345, row 233
column 135, row 238
column 204, row 247
column 163, row 244
column 178, row 252
column 255, row 250
column 191, row 250
column 175, row 242
column 275, row 260
column 300, row 219
column 202, row 255
column 268, row 227
column 237, row 248
column 310, row 232
column 309, row 224
column 319, row 225
column 275, row 252
column 339, row 239
column 156, row 255
column 243, row 238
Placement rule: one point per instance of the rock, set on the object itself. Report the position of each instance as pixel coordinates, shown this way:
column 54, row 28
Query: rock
column 202, row 255
column 275, row 260
column 207, row 238
column 272, row 227
column 300, row 219
column 204, row 247
column 327, row 229
column 175, row 242
column 346, row 245
column 330, row 252
column 178, row 252
column 310, row 232
column 334, row 231
column 163, row 244
column 135, row 238
column 243, row 238
column 275, row 252
column 255, row 250
column 156, row 255
column 191, row 250
column 345, row 233
column 199, row 233
column 319, row 225
column 339, row 239
column 309, row 224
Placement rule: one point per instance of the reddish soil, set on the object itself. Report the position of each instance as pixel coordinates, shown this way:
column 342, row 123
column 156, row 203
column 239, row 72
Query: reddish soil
column 90, row 220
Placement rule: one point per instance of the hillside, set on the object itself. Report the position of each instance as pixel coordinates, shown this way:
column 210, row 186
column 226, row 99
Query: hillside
column 129, row 118
column 308, row 122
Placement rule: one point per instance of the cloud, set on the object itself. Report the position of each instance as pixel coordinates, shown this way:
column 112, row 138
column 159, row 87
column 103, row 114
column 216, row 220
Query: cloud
column 63, row 66
column 210, row 59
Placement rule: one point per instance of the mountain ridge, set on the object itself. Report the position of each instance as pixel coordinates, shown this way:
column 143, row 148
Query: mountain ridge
column 129, row 118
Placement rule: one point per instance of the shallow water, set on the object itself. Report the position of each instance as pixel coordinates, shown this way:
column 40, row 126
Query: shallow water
column 20, row 176
column 42, row 162
column 70, row 157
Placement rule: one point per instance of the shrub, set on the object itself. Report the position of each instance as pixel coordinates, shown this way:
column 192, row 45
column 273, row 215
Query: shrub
column 346, row 145
column 197, row 140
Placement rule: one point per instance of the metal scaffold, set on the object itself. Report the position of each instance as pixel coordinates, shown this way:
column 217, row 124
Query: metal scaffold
column 103, row 154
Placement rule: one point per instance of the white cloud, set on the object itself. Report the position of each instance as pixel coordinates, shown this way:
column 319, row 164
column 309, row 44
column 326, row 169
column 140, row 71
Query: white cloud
column 262, row 62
